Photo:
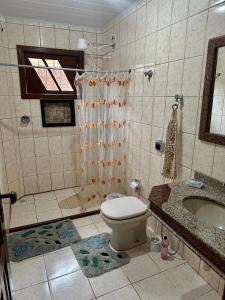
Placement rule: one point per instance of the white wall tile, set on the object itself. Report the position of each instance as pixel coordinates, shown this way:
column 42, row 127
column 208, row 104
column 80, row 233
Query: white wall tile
column 192, row 76
column 47, row 37
column 197, row 6
column 164, row 13
column 175, row 76
column 141, row 22
column 32, row 35
column 203, row 150
column 180, row 10
column 43, row 165
column 131, row 35
column 178, row 40
column 163, row 42
column 44, row 183
column 196, row 35
column 161, row 80
column 62, row 39
column 209, row 275
column 152, row 16
column 15, row 35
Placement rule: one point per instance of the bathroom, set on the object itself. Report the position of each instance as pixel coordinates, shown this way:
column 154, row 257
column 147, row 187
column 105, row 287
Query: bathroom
column 143, row 53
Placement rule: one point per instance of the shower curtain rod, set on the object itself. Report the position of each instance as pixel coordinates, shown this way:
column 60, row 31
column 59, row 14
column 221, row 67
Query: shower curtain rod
column 69, row 69
column 65, row 69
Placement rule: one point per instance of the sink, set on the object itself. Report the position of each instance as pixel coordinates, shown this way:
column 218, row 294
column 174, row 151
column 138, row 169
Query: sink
column 206, row 210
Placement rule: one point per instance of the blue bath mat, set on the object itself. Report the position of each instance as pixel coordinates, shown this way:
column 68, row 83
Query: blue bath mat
column 96, row 257
column 42, row 239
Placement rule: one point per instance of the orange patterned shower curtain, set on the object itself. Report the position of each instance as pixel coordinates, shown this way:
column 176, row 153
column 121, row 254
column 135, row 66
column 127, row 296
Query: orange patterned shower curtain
column 101, row 111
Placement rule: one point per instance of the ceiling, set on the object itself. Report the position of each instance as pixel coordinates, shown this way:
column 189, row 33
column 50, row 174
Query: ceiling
column 91, row 13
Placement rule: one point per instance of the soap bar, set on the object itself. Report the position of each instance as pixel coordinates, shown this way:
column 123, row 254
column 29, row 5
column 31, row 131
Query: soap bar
column 195, row 184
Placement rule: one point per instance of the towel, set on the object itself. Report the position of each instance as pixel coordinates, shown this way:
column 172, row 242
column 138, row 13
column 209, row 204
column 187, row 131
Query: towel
column 170, row 168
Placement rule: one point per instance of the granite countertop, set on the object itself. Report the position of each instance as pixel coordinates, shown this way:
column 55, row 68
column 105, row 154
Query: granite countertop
column 210, row 235
column 166, row 202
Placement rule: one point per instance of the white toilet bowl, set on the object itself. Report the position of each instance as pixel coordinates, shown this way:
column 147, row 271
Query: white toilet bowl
column 127, row 217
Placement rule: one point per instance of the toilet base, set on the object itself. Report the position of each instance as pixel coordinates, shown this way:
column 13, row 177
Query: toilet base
column 127, row 234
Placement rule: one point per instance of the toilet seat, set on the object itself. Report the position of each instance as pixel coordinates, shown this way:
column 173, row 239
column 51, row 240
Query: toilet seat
column 123, row 208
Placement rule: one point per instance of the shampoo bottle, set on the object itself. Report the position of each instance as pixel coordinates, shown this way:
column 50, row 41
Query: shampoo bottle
column 164, row 250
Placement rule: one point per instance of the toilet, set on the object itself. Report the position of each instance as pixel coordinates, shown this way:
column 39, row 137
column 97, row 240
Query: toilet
column 127, row 217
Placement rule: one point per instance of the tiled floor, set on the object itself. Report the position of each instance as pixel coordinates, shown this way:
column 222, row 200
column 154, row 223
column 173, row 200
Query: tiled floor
column 43, row 207
column 58, row 276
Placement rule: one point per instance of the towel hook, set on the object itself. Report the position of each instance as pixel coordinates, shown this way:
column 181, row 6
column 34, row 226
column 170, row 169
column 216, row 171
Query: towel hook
column 179, row 101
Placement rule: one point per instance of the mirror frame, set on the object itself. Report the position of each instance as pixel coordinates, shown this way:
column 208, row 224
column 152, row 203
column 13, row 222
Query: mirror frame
column 207, row 100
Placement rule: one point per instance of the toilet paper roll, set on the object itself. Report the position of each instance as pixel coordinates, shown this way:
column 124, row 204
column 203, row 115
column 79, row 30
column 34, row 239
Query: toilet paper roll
column 135, row 185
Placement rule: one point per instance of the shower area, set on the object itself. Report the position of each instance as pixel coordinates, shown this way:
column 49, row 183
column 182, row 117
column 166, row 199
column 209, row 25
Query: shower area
column 62, row 156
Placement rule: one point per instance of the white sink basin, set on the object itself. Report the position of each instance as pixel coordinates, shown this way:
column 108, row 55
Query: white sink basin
column 206, row 210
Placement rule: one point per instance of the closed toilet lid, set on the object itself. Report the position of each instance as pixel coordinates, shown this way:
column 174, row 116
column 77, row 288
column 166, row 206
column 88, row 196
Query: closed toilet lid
column 123, row 208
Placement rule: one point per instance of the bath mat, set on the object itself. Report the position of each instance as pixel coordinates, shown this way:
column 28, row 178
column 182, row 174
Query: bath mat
column 42, row 239
column 96, row 257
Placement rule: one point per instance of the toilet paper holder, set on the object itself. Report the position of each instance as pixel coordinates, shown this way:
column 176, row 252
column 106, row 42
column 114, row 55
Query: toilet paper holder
column 135, row 185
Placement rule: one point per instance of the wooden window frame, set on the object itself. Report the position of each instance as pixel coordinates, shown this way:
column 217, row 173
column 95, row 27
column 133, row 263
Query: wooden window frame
column 23, row 52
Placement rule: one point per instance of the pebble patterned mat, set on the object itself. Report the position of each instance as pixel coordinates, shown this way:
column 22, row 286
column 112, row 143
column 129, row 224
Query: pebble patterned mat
column 96, row 257
column 42, row 239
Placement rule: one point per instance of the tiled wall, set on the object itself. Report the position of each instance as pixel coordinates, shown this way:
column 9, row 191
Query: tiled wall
column 172, row 37
column 10, row 162
column 37, row 159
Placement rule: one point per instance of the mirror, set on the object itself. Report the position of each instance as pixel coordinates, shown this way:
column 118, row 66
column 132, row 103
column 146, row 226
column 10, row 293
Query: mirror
column 217, row 124
column 212, row 125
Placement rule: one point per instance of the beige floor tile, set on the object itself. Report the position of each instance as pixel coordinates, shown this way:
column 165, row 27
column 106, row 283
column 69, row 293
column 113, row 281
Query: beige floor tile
column 17, row 222
column 72, row 212
column 35, row 292
column 82, row 221
column 103, row 227
column 28, row 272
column 210, row 296
column 126, row 293
column 23, row 210
column 187, row 281
column 60, row 263
column 26, row 200
column 45, row 196
column 65, row 193
column 49, row 215
column 87, row 231
column 96, row 218
column 42, row 206
column 171, row 262
column 157, row 288
column 73, row 286
column 137, row 251
column 140, row 267
column 109, row 282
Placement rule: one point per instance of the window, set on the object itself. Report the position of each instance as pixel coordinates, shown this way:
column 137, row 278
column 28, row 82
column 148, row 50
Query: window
column 39, row 83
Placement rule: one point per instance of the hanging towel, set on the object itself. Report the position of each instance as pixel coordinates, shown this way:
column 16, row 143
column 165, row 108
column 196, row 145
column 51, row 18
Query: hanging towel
column 169, row 168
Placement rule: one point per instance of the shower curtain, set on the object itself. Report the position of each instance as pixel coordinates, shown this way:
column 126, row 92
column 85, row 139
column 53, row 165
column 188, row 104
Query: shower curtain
column 101, row 111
